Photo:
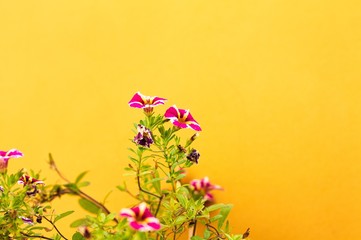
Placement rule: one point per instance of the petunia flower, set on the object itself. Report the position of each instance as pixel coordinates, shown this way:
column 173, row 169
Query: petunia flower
column 27, row 180
column 5, row 156
column 145, row 102
column 203, row 187
column 144, row 136
column 140, row 218
column 181, row 118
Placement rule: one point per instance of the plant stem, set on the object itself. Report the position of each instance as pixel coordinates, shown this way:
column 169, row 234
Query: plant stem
column 79, row 192
column 145, row 191
column 29, row 236
column 55, row 227
column 194, row 228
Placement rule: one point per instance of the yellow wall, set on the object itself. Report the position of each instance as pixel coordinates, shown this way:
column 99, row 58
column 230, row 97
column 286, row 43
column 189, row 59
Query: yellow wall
column 274, row 84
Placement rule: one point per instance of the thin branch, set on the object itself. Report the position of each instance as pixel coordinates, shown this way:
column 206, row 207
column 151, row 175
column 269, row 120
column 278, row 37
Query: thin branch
column 158, row 207
column 145, row 191
column 194, row 228
column 55, row 227
column 79, row 192
column 215, row 230
column 35, row 236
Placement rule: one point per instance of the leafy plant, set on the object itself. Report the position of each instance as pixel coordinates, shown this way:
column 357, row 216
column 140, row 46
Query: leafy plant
column 165, row 206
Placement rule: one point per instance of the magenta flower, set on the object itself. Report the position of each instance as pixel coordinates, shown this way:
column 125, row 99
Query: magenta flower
column 5, row 156
column 140, row 218
column 203, row 187
column 181, row 118
column 145, row 102
column 144, row 136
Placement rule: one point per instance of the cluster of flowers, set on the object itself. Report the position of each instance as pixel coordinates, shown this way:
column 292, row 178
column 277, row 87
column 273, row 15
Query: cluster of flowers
column 139, row 217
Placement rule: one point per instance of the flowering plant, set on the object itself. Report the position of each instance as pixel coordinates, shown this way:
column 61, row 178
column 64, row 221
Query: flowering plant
column 165, row 207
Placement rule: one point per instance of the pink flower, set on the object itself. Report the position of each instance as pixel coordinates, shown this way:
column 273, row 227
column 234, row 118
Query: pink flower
column 140, row 218
column 145, row 102
column 5, row 156
column 181, row 118
column 203, row 187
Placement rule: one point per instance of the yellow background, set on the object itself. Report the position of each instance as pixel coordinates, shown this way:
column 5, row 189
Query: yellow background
column 275, row 86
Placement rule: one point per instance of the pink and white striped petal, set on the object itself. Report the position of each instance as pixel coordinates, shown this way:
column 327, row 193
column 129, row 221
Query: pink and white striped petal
column 141, row 101
column 181, row 118
column 140, row 218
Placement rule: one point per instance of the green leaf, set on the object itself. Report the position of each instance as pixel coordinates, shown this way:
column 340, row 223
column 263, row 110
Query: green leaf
column 89, row 206
column 72, row 187
column 60, row 216
column 215, row 218
column 215, row 207
column 207, row 233
column 110, row 217
column 79, row 222
column 80, row 177
column 83, row 184
column 224, row 213
column 77, row 236
column 180, row 220
column 182, row 200
column 196, row 238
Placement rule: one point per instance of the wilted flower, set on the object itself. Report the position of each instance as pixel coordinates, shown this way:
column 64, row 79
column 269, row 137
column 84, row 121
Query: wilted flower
column 1, row 189
column 5, row 156
column 140, row 218
column 30, row 181
column 27, row 180
column 84, row 231
column 203, row 187
column 181, row 118
column 193, row 156
column 144, row 136
column 145, row 102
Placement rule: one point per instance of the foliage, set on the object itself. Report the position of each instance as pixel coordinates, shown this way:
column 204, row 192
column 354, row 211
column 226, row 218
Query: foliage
column 165, row 206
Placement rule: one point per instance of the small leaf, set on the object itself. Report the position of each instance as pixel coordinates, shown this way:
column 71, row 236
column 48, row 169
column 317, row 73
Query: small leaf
column 80, row 177
column 83, row 184
column 215, row 207
column 196, row 238
column 77, row 236
column 89, row 206
column 79, row 222
column 224, row 213
column 60, row 216
column 206, row 233
column 180, row 220
column 72, row 187
column 182, row 200
column 215, row 218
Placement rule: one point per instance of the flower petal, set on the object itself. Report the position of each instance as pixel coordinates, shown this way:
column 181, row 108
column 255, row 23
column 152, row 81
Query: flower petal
column 172, row 112
column 13, row 153
column 137, row 101
column 127, row 212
